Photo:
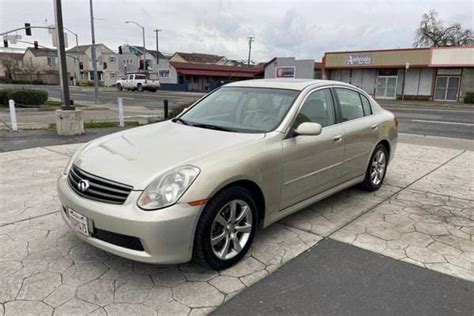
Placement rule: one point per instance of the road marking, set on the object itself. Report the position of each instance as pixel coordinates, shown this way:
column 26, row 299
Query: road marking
column 127, row 98
column 443, row 122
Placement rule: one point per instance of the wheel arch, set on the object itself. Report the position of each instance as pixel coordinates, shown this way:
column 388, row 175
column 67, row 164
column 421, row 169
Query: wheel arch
column 256, row 192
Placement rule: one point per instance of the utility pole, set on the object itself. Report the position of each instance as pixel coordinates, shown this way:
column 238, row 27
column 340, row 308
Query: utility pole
column 63, row 76
column 94, row 58
column 157, row 51
column 251, row 39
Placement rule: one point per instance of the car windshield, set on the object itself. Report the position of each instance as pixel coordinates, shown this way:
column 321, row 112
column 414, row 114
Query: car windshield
column 248, row 110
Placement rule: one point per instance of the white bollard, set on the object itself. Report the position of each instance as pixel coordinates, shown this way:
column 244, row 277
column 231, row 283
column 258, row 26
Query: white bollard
column 120, row 112
column 11, row 104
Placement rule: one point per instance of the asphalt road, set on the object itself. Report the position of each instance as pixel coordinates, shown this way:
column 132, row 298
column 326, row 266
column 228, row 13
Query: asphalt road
column 434, row 120
column 456, row 122
column 334, row 278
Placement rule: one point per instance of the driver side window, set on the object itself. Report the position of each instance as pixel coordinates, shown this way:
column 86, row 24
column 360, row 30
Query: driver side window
column 317, row 108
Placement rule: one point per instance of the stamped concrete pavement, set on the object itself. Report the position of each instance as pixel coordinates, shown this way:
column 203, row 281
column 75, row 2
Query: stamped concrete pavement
column 423, row 215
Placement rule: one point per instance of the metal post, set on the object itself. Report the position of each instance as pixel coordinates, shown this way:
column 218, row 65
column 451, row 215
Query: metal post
column 78, row 68
column 62, row 56
column 165, row 106
column 11, row 104
column 250, row 49
column 157, row 51
column 144, row 49
column 94, row 59
column 120, row 112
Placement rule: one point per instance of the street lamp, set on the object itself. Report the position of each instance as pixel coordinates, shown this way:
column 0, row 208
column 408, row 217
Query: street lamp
column 143, row 31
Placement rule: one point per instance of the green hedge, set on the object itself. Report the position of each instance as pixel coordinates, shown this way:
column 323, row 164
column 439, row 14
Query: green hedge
column 14, row 81
column 469, row 97
column 23, row 97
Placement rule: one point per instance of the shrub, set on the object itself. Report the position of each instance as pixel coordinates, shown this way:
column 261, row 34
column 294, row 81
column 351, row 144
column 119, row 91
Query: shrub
column 23, row 97
column 178, row 109
column 469, row 97
column 15, row 81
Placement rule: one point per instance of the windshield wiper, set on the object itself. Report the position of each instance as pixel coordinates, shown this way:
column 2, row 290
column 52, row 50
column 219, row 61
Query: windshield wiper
column 210, row 126
column 178, row 119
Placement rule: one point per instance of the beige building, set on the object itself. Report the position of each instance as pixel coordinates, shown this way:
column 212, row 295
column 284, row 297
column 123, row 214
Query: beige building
column 443, row 74
column 107, row 65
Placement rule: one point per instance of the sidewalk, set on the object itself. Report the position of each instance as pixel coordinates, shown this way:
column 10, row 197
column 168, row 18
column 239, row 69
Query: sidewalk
column 34, row 119
column 422, row 216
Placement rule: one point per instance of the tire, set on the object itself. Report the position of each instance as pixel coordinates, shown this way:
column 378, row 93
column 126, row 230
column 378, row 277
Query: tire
column 119, row 87
column 210, row 226
column 140, row 88
column 377, row 169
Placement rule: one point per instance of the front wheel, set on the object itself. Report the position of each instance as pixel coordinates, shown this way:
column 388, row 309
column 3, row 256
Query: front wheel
column 226, row 228
column 377, row 169
column 119, row 87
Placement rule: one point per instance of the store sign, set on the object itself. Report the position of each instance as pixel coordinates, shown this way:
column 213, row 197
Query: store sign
column 359, row 59
column 285, row 72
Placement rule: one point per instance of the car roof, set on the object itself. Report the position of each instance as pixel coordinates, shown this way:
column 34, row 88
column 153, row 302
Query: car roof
column 284, row 83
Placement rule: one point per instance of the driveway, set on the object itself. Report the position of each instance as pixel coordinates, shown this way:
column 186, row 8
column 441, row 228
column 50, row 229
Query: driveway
column 423, row 215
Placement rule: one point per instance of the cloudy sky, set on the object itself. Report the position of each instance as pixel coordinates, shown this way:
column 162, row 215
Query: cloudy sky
column 304, row 29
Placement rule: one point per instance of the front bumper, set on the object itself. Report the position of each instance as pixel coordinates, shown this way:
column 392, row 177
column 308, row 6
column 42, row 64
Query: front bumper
column 166, row 235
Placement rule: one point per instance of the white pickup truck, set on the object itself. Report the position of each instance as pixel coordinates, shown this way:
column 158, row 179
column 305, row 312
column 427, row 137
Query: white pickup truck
column 138, row 82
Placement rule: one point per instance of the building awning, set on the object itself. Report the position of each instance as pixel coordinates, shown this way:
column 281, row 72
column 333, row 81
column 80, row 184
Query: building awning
column 215, row 73
column 213, row 70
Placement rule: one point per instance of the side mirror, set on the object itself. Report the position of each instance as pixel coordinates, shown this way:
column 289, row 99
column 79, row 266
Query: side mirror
column 309, row 129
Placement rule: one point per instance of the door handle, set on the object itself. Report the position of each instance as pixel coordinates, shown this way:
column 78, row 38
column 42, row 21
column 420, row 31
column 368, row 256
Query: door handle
column 374, row 127
column 337, row 138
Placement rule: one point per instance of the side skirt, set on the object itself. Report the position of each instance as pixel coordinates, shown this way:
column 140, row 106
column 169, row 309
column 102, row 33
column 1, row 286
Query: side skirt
column 301, row 205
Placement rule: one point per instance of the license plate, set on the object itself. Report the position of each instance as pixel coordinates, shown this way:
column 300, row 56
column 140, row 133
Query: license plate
column 78, row 222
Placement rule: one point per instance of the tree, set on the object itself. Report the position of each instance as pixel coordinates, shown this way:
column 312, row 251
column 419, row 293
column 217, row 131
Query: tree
column 11, row 67
column 433, row 33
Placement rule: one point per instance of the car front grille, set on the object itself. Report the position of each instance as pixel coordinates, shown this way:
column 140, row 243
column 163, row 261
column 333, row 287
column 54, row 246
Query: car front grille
column 99, row 189
column 118, row 239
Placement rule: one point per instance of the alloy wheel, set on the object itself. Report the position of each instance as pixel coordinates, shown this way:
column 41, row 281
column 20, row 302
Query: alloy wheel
column 231, row 229
column 377, row 170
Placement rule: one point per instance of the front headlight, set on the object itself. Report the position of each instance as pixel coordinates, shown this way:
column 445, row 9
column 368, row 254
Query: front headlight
column 166, row 189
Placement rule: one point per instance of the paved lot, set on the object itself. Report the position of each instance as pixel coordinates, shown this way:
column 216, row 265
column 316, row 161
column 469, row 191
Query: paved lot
column 423, row 215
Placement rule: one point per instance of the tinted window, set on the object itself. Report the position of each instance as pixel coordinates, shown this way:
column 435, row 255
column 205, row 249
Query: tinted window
column 351, row 105
column 366, row 105
column 317, row 108
column 140, row 77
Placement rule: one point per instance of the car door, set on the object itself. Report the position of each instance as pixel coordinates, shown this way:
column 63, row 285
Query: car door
column 360, row 131
column 311, row 164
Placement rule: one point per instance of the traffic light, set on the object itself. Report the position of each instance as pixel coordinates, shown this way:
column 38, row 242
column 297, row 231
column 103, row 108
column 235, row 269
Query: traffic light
column 5, row 43
column 35, row 44
column 120, row 50
column 28, row 29
column 81, row 65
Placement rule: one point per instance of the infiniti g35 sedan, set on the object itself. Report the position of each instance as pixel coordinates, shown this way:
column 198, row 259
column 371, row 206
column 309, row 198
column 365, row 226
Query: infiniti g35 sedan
column 241, row 158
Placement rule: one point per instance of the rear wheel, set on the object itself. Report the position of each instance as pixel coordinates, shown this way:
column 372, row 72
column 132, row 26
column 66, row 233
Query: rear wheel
column 226, row 228
column 377, row 169
column 140, row 88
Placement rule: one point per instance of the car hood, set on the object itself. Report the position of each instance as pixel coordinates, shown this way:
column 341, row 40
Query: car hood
column 135, row 157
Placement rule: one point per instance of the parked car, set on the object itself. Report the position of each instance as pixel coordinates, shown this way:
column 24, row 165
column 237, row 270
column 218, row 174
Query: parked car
column 243, row 157
column 139, row 82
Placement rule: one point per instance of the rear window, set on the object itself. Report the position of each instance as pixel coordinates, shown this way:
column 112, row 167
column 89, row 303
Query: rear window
column 351, row 104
